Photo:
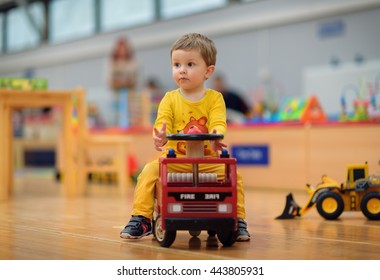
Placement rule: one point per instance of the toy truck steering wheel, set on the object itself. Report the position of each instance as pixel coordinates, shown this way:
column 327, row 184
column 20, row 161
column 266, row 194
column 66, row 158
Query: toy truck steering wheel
column 194, row 142
column 195, row 137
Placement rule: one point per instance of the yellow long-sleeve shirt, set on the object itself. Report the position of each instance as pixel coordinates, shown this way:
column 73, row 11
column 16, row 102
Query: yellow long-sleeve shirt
column 180, row 114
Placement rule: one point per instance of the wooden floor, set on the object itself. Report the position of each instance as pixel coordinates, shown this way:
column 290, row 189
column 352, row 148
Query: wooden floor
column 39, row 223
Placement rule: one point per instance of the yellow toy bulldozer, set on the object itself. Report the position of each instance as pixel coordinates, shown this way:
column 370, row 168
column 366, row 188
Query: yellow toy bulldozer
column 360, row 192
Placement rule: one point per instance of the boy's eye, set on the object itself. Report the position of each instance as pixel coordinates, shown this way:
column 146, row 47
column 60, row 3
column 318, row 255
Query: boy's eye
column 190, row 64
column 176, row 65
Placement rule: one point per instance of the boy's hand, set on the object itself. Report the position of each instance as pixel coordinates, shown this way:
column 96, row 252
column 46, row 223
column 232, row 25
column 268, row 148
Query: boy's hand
column 217, row 145
column 159, row 137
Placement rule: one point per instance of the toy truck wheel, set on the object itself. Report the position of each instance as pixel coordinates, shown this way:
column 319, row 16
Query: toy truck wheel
column 330, row 205
column 194, row 233
column 370, row 205
column 227, row 238
column 164, row 237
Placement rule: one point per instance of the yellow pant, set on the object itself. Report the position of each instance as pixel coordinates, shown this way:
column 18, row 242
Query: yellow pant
column 143, row 203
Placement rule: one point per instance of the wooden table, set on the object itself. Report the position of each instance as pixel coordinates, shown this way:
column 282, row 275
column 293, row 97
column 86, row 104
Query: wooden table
column 17, row 99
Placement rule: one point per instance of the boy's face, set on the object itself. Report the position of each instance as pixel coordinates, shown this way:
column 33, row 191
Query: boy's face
column 190, row 70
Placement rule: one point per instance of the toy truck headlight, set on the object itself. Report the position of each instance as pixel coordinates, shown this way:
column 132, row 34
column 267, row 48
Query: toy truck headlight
column 224, row 208
column 175, row 208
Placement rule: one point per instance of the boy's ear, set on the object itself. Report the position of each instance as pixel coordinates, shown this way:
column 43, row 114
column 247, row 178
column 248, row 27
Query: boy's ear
column 210, row 71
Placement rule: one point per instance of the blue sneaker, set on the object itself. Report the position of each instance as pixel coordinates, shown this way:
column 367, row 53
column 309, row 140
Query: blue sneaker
column 137, row 227
column 242, row 233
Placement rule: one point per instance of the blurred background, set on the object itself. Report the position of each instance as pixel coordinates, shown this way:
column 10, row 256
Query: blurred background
column 267, row 49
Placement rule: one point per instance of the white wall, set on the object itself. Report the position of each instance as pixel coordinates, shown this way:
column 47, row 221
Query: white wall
column 351, row 81
column 280, row 36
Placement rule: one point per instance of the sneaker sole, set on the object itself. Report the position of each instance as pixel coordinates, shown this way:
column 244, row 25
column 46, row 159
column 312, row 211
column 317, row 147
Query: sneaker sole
column 128, row 236
column 243, row 238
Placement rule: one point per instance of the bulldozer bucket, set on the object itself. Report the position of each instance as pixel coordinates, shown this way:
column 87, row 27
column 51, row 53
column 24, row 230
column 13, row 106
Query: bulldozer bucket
column 291, row 209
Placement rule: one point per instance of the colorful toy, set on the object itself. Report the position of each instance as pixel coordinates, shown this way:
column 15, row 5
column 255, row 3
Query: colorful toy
column 23, row 84
column 361, row 192
column 267, row 98
column 374, row 108
column 301, row 109
column 195, row 201
column 364, row 102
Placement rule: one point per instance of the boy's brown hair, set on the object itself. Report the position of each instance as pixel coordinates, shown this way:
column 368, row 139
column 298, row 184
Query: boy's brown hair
column 199, row 42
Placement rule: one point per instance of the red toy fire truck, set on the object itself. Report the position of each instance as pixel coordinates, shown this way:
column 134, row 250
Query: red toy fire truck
column 195, row 201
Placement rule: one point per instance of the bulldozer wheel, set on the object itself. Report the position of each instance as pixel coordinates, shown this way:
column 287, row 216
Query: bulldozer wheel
column 370, row 205
column 330, row 205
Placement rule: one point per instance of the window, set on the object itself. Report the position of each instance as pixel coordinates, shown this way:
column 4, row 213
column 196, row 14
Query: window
column 23, row 30
column 359, row 173
column 71, row 19
column 21, row 26
column 177, row 8
column 120, row 13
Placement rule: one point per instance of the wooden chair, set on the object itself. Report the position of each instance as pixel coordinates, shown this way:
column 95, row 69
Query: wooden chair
column 107, row 154
column 99, row 153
